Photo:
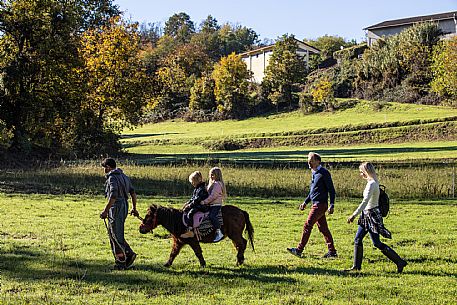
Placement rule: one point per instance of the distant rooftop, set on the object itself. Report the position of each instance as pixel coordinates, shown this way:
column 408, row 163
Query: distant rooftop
column 412, row 20
column 300, row 44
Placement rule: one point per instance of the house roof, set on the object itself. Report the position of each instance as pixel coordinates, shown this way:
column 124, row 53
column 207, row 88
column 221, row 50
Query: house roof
column 301, row 45
column 411, row 20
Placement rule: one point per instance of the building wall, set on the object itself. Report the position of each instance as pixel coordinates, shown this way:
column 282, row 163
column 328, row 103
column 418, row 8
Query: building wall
column 447, row 26
column 257, row 64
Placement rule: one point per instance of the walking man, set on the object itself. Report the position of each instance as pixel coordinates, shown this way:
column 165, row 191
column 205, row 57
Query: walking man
column 320, row 189
column 117, row 189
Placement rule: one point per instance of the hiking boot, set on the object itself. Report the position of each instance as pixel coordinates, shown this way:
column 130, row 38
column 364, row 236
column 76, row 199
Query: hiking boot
column 295, row 251
column 218, row 236
column 119, row 266
column 330, row 255
column 187, row 234
column 130, row 260
column 394, row 257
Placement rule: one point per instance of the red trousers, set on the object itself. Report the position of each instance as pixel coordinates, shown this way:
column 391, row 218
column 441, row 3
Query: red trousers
column 317, row 215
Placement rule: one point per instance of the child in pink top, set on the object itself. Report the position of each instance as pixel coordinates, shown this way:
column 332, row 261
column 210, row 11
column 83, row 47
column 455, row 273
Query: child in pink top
column 217, row 194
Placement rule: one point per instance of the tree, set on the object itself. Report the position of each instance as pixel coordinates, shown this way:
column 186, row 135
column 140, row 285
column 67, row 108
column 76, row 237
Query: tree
column 191, row 58
column 96, row 13
column 38, row 52
column 231, row 86
column 236, row 38
column 150, row 33
column 415, row 51
column 285, row 72
column 172, row 91
column 176, row 76
column 208, row 38
column 398, row 66
column 202, row 94
column 209, row 25
column 180, row 27
column 444, row 67
column 114, row 77
column 329, row 44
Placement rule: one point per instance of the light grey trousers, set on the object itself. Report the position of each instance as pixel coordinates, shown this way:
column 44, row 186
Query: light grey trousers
column 116, row 220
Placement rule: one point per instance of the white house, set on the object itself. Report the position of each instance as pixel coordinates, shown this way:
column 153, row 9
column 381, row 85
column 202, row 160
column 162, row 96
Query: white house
column 257, row 60
column 447, row 22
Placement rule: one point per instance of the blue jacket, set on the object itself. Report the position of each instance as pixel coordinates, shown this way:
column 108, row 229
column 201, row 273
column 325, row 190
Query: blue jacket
column 320, row 188
column 200, row 193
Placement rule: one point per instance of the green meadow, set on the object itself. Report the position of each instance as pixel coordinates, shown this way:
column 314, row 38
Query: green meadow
column 362, row 112
column 54, row 247
column 54, row 250
column 404, row 152
column 362, row 130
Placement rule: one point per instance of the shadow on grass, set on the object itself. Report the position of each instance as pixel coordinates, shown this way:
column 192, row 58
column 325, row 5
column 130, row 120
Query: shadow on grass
column 29, row 265
column 291, row 158
column 144, row 135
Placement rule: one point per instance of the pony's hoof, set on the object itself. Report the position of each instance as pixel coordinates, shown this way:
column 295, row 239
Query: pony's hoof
column 167, row 264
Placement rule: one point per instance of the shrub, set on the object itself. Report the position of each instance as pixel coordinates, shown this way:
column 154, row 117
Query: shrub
column 202, row 94
column 444, row 69
column 224, row 144
column 323, row 93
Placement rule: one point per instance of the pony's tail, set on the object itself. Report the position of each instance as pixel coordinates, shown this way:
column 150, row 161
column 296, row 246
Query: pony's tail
column 249, row 228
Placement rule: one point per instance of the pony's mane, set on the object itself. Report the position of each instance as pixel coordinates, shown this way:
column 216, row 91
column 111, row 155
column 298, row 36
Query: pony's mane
column 162, row 208
column 169, row 216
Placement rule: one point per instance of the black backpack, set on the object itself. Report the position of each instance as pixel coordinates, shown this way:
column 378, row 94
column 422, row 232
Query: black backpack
column 383, row 201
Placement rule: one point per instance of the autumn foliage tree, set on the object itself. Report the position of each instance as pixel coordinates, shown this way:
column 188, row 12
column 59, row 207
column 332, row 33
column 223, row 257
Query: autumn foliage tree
column 231, row 78
column 444, row 69
column 202, row 95
column 115, row 80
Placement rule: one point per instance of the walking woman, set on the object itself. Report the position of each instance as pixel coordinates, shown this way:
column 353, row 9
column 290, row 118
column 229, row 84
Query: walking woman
column 370, row 221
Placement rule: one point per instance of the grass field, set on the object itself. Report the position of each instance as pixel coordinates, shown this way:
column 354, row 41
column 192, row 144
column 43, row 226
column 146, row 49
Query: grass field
column 362, row 113
column 54, row 250
column 360, row 132
column 373, row 152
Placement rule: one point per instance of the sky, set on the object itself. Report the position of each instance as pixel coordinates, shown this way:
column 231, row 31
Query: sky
column 271, row 19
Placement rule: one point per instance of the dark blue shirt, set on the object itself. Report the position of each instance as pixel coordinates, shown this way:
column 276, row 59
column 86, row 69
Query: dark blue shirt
column 200, row 193
column 321, row 186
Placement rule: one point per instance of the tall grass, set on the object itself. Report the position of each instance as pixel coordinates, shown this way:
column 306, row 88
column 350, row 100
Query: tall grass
column 406, row 182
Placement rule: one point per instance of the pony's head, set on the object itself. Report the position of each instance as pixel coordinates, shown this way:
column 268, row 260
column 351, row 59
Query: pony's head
column 150, row 220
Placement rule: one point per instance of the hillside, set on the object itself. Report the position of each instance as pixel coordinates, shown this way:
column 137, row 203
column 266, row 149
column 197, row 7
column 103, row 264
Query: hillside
column 380, row 131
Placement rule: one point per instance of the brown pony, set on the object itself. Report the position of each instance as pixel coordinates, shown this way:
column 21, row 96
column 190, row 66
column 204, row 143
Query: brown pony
column 235, row 221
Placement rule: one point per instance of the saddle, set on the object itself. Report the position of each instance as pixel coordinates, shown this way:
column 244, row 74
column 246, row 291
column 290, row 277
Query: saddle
column 202, row 224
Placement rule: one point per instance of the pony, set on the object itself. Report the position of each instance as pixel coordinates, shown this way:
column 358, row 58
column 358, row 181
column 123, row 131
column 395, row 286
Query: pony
column 235, row 221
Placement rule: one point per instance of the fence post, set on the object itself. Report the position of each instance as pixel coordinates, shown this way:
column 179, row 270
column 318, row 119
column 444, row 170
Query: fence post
column 453, row 180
